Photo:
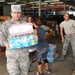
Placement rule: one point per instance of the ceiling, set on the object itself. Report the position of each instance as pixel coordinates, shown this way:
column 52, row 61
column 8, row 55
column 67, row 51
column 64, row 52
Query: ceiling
column 71, row 3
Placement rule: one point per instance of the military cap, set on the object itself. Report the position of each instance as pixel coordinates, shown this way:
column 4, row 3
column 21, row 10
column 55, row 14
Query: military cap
column 15, row 8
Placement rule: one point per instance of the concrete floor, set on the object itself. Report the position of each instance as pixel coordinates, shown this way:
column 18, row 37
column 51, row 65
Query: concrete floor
column 58, row 68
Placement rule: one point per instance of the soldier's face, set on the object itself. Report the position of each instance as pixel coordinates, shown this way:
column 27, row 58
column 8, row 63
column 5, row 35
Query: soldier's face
column 16, row 15
column 66, row 17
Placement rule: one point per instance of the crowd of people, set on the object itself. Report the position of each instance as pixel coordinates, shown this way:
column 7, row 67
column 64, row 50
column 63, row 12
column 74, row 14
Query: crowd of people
column 18, row 60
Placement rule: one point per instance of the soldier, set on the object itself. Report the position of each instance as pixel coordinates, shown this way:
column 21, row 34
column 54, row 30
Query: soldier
column 68, row 25
column 17, row 60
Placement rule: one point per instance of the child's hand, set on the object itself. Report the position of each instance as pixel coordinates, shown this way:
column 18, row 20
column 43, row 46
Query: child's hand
column 36, row 37
column 7, row 46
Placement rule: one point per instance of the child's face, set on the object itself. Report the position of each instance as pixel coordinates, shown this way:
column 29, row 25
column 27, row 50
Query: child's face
column 29, row 19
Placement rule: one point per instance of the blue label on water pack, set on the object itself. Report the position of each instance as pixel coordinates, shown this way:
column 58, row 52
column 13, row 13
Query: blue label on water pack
column 50, row 55
column 22, row 42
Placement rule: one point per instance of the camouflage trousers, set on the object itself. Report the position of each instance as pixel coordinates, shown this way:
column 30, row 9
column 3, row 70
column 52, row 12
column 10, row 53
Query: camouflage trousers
column 69, row 39
column 18, row 61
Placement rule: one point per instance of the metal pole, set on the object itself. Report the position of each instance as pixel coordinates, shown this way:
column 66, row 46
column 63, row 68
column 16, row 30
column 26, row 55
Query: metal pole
column 33, row 5
column 39, row 8
column 64, row 8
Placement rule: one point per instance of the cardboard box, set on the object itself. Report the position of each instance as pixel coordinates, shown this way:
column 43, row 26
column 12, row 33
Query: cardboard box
column 53, row 33
column 21, row 36
column 4, row 18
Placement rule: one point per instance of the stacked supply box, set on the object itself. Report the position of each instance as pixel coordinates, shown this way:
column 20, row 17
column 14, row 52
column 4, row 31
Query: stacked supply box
column 21, row 36
column 22, row 42
column 52, row 55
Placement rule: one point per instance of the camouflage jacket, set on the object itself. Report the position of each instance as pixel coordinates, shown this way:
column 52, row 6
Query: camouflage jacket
column 4, row 33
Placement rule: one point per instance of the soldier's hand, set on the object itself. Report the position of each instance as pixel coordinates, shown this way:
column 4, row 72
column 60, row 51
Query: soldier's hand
column 7, row 46
column 62, row 40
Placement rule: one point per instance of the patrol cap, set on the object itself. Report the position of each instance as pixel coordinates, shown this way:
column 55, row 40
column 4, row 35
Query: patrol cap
column 15, row 8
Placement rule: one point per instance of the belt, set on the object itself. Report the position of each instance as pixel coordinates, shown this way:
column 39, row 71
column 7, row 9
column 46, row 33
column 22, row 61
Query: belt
column 70, row 34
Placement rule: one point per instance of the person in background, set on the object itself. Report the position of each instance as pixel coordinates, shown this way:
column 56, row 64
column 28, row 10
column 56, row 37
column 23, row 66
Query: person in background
column 29, row 19
column 42, row 47
column 32, row 49
column 44, row 26
column 17, row 60
column 68, row 25
column 57, row 29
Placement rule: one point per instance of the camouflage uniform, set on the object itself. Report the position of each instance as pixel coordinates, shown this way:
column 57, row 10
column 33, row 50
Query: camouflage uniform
column 69, row 29
column 70, row 38
column 17, row 60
